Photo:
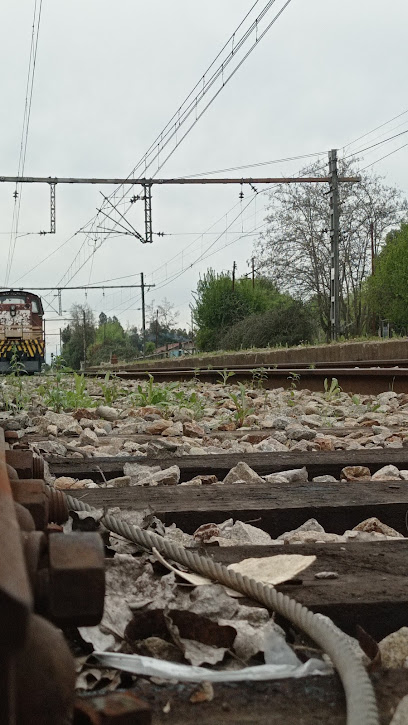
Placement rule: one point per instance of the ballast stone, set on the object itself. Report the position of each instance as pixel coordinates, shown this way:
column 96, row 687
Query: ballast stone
column 387, row 473
column 107, row 413
column 242, row 473
column 88, row 438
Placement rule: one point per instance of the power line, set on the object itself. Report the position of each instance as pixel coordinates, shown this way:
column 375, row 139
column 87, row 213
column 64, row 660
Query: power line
column 375, row 129
column 385, row 157
column 191, row 105
column 24, row 136
column 379, row 143
column 259, row 163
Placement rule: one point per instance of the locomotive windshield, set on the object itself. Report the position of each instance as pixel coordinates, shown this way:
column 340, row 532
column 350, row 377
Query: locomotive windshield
column 12, row 300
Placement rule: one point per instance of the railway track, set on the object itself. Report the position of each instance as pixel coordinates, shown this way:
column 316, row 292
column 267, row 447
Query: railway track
column 369, row 377
column 370, row 588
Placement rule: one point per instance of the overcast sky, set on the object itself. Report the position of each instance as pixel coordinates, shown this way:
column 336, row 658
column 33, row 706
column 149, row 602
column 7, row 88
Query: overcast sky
column 110, row 75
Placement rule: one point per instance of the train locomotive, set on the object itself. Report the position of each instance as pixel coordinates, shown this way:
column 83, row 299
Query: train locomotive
column 21, row 330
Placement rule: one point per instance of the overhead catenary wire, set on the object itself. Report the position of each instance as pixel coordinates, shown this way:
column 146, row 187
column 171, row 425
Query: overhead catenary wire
column 379, row 143
column 256, row 164
column 394, row 118
column 385, row 157
column 24, row 135
column 190, row 106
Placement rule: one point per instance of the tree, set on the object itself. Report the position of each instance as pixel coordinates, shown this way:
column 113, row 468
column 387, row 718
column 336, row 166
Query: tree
column 78, row 335
column 387, row 289
column 161, row 324
column 111, row 338
column 295, row 250
column 217, row 306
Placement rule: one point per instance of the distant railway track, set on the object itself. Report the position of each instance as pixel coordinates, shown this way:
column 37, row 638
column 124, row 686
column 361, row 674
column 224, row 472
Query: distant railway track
column 368, row 377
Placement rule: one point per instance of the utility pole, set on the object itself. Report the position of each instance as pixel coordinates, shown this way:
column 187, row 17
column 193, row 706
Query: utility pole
column 234, row 266
column 372, row 247
column 334, row 246
column 84, row 335
column 142, row 285
column 157, row 328
column 253, row 272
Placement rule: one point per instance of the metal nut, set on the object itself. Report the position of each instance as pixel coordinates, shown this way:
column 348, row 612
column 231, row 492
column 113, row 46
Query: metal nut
column 76, row 584
column 22, row 461
column 33, row 496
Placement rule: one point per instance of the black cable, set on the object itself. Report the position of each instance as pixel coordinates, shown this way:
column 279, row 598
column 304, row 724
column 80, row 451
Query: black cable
column 24, row 138
column 379, row 143
column 375, row 129
column 172, row 127
column 384, row 157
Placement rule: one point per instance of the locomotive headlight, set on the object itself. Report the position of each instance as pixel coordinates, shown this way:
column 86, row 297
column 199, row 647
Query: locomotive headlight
column 13, row 310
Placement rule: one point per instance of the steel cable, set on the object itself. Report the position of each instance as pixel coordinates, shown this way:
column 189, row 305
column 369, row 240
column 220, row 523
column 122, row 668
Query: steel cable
column 360, row 696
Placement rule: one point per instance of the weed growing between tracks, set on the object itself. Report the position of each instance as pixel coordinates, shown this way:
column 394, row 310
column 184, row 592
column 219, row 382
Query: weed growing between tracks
column 12, row 391
column 243, row 409
column 331, row 391
column 170, row 394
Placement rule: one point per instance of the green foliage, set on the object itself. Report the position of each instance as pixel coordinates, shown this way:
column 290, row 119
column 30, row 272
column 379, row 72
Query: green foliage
column 218, row 307
column 293, row 381
column 225, row 374
column 150, row 394
column 12, row 391
column 189, row 400
column 150, row 347
column 80, row 333
column 53, row 391
column 110, row 388
column 387, row 289
column 331, row 390
column 165, row 395
column 259, row 376
column 288, row 323
column 242, row 407
column 61, row 391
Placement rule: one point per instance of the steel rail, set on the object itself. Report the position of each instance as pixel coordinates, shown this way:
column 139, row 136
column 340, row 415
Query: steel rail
column 372, row 380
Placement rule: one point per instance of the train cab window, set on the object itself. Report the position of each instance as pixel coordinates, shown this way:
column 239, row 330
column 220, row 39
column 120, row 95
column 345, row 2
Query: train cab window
column 12, row 300
column 34, row 306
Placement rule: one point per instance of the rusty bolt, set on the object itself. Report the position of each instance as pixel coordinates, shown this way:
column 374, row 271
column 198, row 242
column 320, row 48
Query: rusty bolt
column 58, row 513
column 10, row 436
column 38, row 466
column 33, row 496
column 22, row 461
column 114, row 708
column 75, row 582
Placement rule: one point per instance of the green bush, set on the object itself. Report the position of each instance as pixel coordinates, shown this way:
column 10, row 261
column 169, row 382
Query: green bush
column 288, row 324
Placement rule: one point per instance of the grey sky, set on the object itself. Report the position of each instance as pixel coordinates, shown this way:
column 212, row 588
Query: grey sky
column 110, row 75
